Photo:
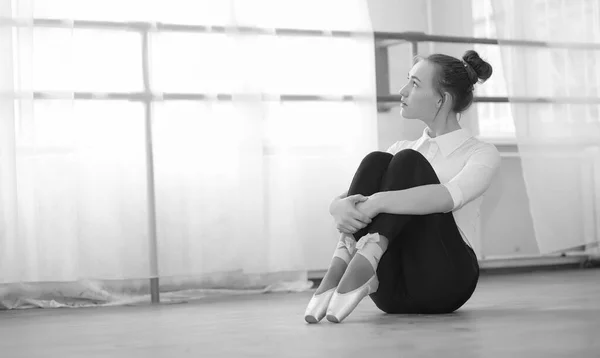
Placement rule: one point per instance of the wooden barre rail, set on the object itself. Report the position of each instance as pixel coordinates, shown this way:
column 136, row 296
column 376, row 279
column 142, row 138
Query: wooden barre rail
column 382, row 38
column 182, row 96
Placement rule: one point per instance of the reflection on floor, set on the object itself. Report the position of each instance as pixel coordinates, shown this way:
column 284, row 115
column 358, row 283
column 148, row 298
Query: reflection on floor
column 544, row 314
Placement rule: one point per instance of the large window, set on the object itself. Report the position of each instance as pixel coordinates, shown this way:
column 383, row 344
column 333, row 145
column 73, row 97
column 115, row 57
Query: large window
column 546, row 67
column 102, row 57
column 252, row 104
column 495, row 120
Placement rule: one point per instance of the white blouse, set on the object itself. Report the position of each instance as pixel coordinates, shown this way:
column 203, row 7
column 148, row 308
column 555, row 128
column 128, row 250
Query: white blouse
column 464, row 165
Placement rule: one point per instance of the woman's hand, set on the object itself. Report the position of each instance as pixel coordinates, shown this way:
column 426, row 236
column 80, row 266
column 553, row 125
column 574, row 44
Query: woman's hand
column 347, row 217
column 369, row 207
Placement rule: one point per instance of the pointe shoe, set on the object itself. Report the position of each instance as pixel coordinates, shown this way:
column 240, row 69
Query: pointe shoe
column 317, row 307
column 315, row 311
column 342, row 304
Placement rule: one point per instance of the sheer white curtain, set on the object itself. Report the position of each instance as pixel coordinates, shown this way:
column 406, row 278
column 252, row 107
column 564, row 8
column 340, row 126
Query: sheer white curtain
column 559, row 140
column 240, row 182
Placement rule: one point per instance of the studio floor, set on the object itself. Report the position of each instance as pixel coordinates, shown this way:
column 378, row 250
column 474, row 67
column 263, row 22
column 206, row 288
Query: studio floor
column 542, row 314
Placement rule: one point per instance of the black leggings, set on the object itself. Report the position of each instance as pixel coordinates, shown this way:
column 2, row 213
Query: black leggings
column 427, row 268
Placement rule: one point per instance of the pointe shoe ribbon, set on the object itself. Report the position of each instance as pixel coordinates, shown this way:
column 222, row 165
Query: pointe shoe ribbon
column 346, row 247
column 348, row 242
column 373, row 237
column 368, row 246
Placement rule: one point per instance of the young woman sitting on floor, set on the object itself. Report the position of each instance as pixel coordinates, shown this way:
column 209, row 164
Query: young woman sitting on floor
column 409, row 214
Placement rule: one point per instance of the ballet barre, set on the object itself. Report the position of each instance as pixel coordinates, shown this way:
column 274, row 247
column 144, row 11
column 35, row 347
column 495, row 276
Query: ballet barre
column 183, row 96
column 383, row 39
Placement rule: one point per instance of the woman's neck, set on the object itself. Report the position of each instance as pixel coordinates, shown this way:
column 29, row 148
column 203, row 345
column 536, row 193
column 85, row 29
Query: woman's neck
column 444, row 124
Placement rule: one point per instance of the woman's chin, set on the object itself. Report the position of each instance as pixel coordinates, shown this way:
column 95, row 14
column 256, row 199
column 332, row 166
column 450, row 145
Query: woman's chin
column 405, row 113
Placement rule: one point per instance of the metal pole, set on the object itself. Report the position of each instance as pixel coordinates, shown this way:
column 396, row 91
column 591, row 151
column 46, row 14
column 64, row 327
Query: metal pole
column 414, row 49
column 595, row 219
column 152, row 241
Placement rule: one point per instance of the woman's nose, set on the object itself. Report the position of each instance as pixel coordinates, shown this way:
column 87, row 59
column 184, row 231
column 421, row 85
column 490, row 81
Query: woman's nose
column 403, row 92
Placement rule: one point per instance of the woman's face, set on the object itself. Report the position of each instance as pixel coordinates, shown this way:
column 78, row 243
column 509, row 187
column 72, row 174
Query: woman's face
column 420, row 100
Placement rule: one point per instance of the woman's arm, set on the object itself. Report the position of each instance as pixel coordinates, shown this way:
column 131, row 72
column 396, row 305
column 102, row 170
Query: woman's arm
column 421, row 200
column 471, row 182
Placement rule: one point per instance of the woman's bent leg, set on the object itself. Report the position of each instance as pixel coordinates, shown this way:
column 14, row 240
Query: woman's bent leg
column 421, row 262
column 427, row 268
column 367, row 181
column 407, row 169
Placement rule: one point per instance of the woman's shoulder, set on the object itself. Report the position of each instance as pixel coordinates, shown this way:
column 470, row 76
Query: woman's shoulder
column 484, row 145
column 485, row 150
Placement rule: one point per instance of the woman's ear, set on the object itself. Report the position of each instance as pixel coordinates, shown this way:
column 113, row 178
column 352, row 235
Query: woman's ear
column 441, row 101
column 444, row 99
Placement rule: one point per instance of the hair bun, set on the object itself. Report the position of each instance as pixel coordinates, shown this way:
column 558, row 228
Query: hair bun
column 477, row 68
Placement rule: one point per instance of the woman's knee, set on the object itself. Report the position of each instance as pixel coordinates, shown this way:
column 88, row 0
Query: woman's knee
column 412, row 165
column 409, row 157
column 376, row 159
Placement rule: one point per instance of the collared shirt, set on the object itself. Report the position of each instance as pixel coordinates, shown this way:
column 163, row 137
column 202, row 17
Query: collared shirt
column 464, row 165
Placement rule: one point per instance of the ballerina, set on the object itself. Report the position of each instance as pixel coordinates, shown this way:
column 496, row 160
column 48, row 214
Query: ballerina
column 410, row 212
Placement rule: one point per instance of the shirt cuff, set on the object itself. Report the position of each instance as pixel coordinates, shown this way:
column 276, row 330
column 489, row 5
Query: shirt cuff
column 456, row 194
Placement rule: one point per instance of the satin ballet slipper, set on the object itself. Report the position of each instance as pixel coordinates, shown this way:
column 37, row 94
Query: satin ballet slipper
column 317, row 306
column 342, row 304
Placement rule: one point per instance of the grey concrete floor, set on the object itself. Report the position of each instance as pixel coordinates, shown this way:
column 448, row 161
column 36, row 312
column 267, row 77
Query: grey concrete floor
column 543, row 314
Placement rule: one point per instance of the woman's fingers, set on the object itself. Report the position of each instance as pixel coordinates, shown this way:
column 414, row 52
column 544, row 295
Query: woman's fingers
column 343, row 229
column 358, row 215
column 354, row 224
column 350, row 226
column 358, row 224
column 357, row 198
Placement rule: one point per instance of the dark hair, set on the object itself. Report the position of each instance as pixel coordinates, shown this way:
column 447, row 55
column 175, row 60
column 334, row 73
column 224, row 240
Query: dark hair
column 458, row 77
